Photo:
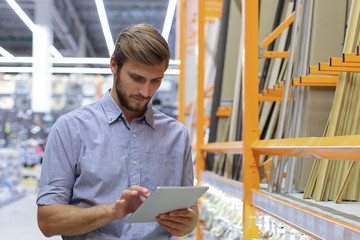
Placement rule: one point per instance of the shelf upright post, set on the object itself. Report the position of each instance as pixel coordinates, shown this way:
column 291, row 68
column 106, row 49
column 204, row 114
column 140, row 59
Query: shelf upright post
column 250, row 99
column 200, row 118
column 200, row 161
column 182, row 50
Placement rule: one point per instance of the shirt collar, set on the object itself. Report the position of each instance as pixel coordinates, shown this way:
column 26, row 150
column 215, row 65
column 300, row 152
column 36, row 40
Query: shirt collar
column 149, row 115
column 113, row 111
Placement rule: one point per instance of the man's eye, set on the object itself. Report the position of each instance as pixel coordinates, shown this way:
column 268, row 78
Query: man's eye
column 136, row 78
column 156, row 80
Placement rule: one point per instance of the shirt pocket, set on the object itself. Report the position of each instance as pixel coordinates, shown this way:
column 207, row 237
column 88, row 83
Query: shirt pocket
column 158, row 169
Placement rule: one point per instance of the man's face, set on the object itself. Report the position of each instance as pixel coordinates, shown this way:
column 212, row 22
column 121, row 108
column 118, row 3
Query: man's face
column 136, row 83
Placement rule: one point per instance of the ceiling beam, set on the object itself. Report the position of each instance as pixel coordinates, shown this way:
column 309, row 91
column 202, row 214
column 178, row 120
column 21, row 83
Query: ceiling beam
column 62, row 32
column 80, row 25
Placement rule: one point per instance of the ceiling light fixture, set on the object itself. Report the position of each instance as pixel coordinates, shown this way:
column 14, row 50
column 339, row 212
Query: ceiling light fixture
column 55, row 52
column 73, row 60
column 30, row 24
column 169, row 19
column 66, row 70
column 105, row 26
column 5, row 53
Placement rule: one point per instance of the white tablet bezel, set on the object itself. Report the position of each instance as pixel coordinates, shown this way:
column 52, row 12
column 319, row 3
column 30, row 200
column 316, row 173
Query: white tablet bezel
column 166, row 199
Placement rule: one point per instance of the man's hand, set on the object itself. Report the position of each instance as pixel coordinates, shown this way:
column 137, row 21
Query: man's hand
column 179, row 222
column 130, row 200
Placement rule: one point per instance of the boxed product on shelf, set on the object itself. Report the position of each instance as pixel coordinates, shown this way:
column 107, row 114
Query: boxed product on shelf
column 10, row 175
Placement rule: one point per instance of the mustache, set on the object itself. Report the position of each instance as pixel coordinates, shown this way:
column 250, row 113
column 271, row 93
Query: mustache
column 141, row 97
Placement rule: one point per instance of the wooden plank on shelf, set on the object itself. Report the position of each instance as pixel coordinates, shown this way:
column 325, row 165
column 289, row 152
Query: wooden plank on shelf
column 341, row 119
column 276, row 67
column 229, row 80
column 338, row 147
column 267, row 12
column 220, row 158
column 237, row 109
column 277, row 167
column 344, row 184
column 221, row 49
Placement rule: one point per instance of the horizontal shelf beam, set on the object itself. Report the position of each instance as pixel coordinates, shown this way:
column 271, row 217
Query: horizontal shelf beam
column 228, row 147
column 350, row 57
column 275, row 94
column 275, row 54
column 337, row 148
column 264, row 98
column 337, row 62
column 315, row 70
column 318, row 80
column 307, row 221
column 323, row 66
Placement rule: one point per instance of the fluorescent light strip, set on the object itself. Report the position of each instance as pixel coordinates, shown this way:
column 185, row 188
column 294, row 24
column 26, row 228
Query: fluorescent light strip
column 55, row 52
column 5, row 53
column 72, row 70
column 169, row 19
column 71, row 60
column 105, row 26
column 78, row 60
column 29, row 23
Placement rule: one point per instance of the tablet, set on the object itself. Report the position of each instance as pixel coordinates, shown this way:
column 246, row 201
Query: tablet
column 166, row 199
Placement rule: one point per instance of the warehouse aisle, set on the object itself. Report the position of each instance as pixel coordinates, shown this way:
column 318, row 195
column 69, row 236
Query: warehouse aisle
column 18, row 220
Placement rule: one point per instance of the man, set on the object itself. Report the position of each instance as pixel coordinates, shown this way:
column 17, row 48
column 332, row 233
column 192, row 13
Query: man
column 103, row 159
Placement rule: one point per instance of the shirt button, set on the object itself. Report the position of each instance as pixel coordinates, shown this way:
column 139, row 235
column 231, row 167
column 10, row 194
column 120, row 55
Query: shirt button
column 134, row 135
column 134, row 162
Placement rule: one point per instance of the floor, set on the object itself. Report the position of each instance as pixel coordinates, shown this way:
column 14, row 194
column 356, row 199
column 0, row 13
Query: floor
column 18, row 220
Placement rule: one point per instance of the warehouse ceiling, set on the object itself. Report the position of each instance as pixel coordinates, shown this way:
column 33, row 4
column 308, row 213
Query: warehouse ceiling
column 71, row 16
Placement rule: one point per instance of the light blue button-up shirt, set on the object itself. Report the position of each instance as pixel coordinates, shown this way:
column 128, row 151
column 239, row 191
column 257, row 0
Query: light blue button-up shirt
column 93, row 154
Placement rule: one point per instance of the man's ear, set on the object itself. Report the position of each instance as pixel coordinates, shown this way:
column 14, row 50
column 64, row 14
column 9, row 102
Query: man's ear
column 113, row 65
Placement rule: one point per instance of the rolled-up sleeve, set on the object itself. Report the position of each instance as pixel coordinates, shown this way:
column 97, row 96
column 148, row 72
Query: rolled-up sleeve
column 59, row 164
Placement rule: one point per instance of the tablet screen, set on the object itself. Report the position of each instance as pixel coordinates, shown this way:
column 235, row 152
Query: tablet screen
column 166, row 199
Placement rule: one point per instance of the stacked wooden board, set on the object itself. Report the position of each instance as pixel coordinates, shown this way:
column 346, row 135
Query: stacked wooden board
column 276, row 120
column 334, row 179
column 293, row 122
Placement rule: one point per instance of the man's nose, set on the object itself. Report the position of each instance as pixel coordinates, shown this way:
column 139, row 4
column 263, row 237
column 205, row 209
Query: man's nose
column 145, row 90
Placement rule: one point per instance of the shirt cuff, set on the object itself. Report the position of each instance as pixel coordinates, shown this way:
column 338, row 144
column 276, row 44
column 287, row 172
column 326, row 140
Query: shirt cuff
column 49, row 195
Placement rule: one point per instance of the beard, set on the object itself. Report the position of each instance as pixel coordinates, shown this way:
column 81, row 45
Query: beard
column 125, row 98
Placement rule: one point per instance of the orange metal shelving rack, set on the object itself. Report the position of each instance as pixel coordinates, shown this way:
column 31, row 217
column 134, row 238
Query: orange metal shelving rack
column 314, row 224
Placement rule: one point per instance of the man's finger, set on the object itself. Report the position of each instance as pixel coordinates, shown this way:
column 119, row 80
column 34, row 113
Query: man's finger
column 182, row 213
column 177, row 227
column 141, row 190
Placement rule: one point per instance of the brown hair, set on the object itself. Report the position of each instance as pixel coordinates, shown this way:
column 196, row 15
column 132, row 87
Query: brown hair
column 143, row 44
